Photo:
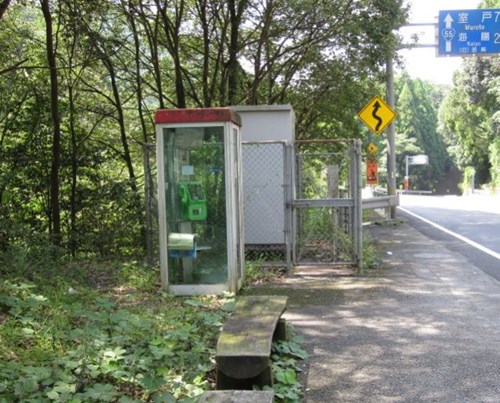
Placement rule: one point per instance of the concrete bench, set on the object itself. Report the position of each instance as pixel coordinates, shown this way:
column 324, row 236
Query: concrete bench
column 244, row 347
column 237, row 396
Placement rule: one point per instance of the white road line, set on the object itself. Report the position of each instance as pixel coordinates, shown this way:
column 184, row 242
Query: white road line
column 454, row 234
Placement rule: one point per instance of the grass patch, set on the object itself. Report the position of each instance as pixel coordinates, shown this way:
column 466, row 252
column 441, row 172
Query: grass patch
column 258, row 271
column 103, row 330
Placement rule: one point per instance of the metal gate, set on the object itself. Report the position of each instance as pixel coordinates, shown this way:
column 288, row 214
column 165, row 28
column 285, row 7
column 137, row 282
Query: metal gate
column 327, row 205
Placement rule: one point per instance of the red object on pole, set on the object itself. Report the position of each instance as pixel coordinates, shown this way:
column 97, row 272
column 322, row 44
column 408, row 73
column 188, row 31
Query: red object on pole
column 371, row 172
column 407, row 183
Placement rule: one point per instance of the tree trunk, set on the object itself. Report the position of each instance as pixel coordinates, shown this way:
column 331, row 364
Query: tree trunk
column 121, row 123
column 152, row 34
column 236, row 10
column 3, row 7
column 145, row 138
column 55, row 212
column 172, row 34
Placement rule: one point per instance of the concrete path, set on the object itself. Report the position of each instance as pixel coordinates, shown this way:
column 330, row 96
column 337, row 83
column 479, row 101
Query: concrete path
column 424, row 327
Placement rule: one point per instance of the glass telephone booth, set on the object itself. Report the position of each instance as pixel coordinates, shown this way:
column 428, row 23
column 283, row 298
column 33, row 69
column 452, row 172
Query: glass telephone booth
column 200, row 200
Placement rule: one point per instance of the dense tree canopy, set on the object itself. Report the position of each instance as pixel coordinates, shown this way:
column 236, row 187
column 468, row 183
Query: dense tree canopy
column 417, row 130
column 80, row 80
column 470, row 119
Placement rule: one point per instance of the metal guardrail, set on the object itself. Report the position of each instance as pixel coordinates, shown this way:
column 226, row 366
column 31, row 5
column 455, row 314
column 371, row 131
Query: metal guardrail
column 381, row 202
column 415, row 192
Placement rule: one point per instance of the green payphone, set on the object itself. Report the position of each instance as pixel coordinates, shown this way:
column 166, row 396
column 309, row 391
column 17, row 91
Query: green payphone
column 193, row 201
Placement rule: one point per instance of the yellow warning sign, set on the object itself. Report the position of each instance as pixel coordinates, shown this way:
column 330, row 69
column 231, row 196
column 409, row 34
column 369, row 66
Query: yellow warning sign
column 372, row 148
column 377, row 115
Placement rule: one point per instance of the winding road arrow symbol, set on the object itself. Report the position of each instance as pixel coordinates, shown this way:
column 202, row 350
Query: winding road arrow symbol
column 376, row 107
column 376, row 114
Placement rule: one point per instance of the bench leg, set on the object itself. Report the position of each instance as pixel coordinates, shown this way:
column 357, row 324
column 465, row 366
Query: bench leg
column 265, row 378
column 280, row 331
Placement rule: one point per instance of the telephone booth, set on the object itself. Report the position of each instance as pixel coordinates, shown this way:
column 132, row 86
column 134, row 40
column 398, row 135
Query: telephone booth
column 200, row 200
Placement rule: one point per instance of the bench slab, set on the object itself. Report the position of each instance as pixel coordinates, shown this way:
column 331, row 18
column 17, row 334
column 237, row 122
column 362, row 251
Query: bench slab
column 244, row 346
column 237, row 396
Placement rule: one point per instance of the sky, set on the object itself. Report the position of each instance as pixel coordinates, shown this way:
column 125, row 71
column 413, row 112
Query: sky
column 422, row 62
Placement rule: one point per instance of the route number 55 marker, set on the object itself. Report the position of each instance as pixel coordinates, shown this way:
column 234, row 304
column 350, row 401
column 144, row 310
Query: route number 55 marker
column 448, row 32
column 377, row 115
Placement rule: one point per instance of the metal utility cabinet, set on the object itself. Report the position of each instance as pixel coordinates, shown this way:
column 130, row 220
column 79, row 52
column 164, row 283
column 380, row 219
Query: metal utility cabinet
column 268, row 134
column 200, row 200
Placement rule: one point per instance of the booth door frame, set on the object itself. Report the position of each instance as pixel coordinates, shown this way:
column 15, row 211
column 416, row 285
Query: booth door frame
column 235, row 253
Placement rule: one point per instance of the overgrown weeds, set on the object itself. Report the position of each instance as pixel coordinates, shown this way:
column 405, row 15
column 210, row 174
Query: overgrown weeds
column 259, row 270
column 105, row 331
column 70, row 342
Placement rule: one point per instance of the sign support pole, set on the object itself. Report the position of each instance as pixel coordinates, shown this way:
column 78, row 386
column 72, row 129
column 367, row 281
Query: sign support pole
column 407, row 176
column 391, row 137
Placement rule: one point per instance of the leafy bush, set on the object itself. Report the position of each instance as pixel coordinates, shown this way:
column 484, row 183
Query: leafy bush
column 256, row 272
column 104, row 331
column 370, row 255
column 495, row 164
column 286, row 357
column 63, row 340
column 468, row 180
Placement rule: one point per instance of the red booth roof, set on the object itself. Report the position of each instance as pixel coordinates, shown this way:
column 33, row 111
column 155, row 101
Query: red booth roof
column 200, row 115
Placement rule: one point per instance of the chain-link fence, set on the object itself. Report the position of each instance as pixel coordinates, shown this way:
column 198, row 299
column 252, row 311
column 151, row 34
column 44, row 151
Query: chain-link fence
column 266, row 184
column 327, row 206
column 320, row 224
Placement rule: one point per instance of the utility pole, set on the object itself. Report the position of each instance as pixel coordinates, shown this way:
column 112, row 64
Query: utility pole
column 391, row 137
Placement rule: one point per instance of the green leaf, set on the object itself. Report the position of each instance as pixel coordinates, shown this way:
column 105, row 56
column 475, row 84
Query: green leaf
column 63, row 387
column 30, row 385
column 38, row 373
column 193, row 302
column 101, row 392
column 287, row 377
column 151, row 382
column 115, row 354
column 160, row 352
column 52, row 395
column 228, row 306
column 164, row 398
column 290, row 377
column 104, row 303
column 28, row 331
column 156, row 341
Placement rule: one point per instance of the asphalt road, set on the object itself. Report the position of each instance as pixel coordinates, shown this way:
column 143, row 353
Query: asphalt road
column 466, row 225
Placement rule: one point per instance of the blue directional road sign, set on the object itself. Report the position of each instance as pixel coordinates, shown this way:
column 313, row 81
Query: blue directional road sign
column 469, row 32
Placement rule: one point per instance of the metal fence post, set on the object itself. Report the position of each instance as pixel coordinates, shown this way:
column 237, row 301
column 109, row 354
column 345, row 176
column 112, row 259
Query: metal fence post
column 357, row 219
column 288, row 168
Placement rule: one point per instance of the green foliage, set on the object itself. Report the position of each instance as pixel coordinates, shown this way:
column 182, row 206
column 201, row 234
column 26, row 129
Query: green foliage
column 286, row 356
column 62, row 340
column 468, row 180
column 119, row 61
column 104, row 332
column 417, row 131
column 256, row 273
column 469, row 118
column 371, row 256
column 495, row 163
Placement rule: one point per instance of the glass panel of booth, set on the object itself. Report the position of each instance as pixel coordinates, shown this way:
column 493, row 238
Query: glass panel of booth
column 195, row 195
